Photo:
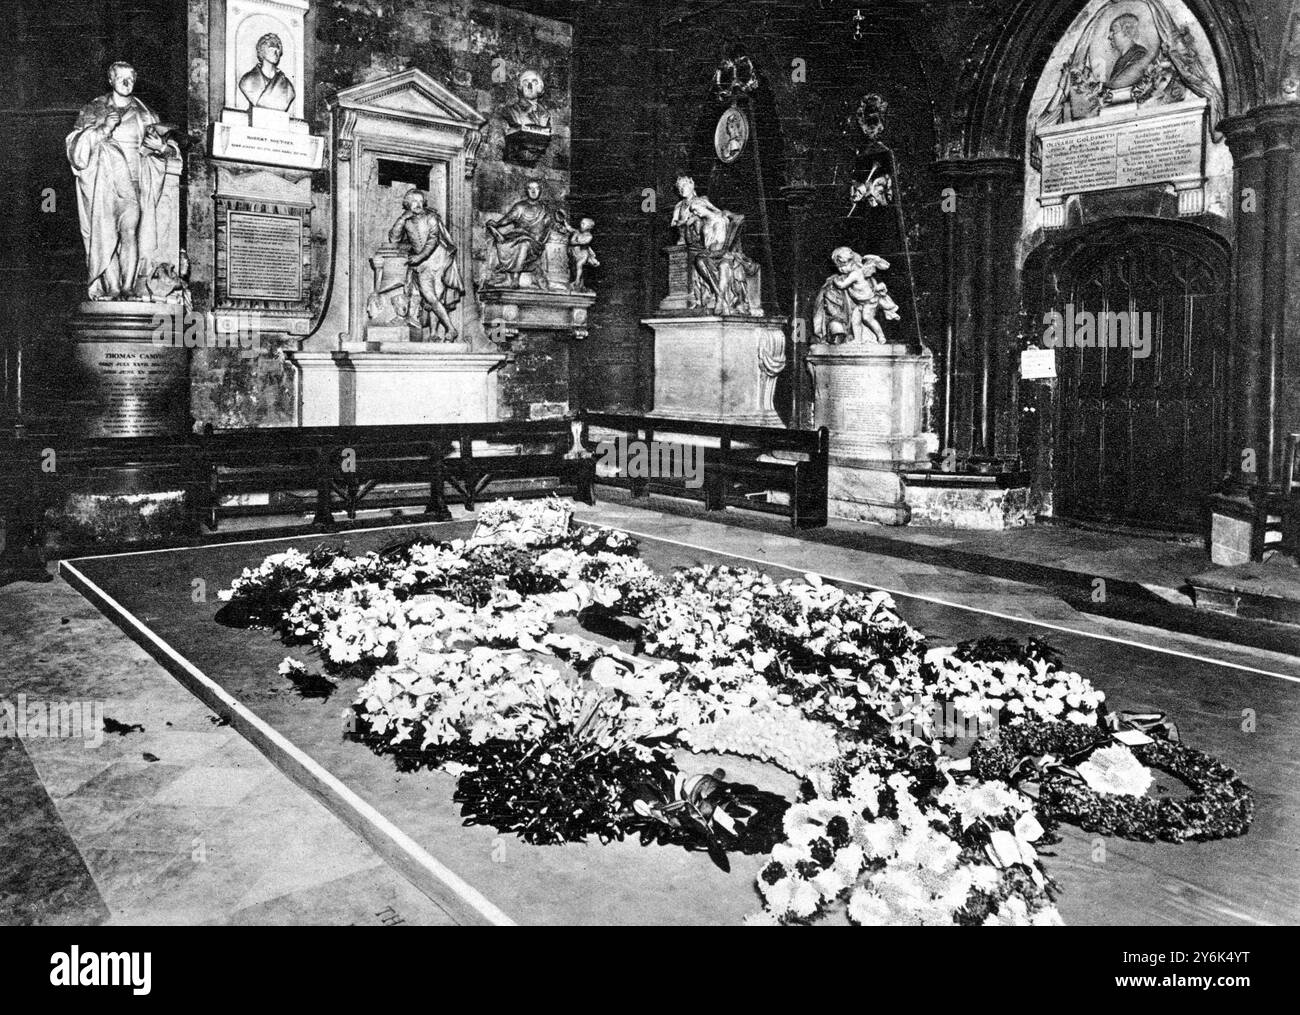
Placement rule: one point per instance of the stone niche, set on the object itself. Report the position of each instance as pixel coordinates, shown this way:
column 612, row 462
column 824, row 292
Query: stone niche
column 392, row 135
column 271, row 130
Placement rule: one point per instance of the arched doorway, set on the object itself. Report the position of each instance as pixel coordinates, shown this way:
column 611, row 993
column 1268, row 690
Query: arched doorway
column 1138, row 432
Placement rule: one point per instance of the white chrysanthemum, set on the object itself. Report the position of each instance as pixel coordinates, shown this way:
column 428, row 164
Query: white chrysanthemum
column 878, row 838
column 868, row 909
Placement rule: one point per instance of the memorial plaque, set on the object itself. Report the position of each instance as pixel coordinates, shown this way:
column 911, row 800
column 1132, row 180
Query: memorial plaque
column 263, row 146
column 138, row 389
column 264, row 256
column 1167, row 146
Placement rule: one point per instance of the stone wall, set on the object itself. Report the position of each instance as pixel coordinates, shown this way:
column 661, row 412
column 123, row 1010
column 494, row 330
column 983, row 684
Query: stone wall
column 635, row 131
column 475, row 49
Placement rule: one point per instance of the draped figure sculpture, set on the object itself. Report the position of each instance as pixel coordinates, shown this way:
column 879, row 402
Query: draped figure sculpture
column 433, row 283
column 519, row 239
column 720, row 271
column 119, row 155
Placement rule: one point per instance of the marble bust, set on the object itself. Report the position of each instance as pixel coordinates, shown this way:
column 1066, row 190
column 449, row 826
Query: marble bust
column 266, row 86
column 119, row 153
column 527, row 112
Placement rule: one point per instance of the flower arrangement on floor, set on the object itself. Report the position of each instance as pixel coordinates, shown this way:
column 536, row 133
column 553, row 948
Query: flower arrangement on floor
column 468, row 657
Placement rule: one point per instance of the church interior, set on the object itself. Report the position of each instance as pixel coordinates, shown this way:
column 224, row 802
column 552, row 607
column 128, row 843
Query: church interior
column 931, row 344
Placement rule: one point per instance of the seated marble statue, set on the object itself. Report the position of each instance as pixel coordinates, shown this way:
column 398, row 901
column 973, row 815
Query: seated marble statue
column 433, row 283
column 266, row 86
column 846, row 305
column 527, row 111
column 1132, row 59
column 119, row 154
column 519, row 239
column 719, row 269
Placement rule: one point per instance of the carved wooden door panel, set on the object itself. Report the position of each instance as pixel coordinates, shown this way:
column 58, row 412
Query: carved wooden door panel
column 1139, row 437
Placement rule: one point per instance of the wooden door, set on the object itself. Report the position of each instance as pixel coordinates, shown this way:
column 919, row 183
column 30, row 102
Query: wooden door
column 1138, row 438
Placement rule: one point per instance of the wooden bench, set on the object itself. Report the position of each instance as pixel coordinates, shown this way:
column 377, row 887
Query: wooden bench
column 542, row 449
column 324, row 469
column 345, row 468
column 740, row 464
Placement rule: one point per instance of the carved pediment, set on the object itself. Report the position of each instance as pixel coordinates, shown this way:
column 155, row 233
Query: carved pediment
column 410, row 95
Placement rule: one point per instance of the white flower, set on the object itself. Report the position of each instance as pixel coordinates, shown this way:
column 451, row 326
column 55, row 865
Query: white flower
column 868, row 909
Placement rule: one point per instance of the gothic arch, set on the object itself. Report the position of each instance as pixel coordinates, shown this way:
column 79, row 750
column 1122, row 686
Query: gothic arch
column 1002, row 68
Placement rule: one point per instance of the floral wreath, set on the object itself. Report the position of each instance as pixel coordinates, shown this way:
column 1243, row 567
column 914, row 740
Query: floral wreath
column 1219, row 807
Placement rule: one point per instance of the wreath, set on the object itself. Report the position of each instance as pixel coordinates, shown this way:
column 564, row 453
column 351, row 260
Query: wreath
column 1220, row 806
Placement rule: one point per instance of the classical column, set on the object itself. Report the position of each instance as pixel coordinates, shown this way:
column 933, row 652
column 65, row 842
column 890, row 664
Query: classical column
column 1279, row 129
column 982, row 186
column 1265, row 145
column 1242, row 415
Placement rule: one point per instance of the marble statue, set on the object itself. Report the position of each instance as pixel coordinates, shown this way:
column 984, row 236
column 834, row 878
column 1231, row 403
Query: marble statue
column 519, row 239
column 266, row 86
column 119, row 151
column 846, row 306
column 581, row 256
column 719, row 269
column 527, row 111
column 433, row 281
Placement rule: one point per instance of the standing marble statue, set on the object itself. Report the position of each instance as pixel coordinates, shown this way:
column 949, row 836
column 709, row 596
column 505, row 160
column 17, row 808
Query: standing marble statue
column 266, row 86
column 519, row 239
column 719, row 270
column 119, row 157
column 846, row 305
column 434, row 282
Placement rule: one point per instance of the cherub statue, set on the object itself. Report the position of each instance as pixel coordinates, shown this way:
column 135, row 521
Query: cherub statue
column 847, row 304
column 581, row 256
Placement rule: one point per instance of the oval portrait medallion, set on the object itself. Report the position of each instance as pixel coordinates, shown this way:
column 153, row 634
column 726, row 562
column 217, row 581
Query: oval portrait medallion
column 731, row 135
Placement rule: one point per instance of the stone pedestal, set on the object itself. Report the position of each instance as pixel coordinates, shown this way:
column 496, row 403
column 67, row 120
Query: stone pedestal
column 558, row 310
column 133, row 381
column 718, row 369
column 871, row 397
column 399, row 383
